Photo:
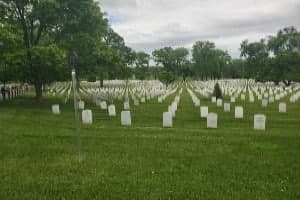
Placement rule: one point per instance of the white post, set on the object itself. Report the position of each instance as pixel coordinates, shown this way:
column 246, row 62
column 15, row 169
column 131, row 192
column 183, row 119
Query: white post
column 76, row 112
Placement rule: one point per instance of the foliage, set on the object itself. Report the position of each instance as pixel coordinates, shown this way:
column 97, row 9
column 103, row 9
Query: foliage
column 166, row 77
column 142, row 59
column 173, row 60
column 209, row 61
column 275, row 59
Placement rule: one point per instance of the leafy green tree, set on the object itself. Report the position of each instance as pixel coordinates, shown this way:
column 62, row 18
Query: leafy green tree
column 166, row 77
column 256, row 55
column 285, row 65
column 48, row 22
column 142, row 59
column 235, row 69
column 203, row 53
column 164, row 57
column 173, row 60
column 10, row 53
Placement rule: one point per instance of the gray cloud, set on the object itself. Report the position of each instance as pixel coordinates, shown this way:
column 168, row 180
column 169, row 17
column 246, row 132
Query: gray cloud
column 151, row 24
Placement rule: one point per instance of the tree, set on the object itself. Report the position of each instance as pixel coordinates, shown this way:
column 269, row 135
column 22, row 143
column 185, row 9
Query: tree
column 235, row 69
column 48, row 22
column 286, row 48
column 208, row 60
column 142, row 59
column 256, row 55
column 173, row 60
column 164, row 57
column 9, row 48
column 181, row 60
column 166, row 77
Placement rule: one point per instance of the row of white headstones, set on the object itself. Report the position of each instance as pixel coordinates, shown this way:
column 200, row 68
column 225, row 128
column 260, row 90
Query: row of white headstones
column 259, row 119
column 140, row 93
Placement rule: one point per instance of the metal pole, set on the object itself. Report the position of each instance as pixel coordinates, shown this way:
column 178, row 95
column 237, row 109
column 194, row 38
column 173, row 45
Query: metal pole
column 76, row 113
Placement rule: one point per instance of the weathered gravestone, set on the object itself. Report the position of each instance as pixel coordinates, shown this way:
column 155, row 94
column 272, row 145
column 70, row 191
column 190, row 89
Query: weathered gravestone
column 212, row 120
column 126, row 118
column 87, row 117
column 167, row 120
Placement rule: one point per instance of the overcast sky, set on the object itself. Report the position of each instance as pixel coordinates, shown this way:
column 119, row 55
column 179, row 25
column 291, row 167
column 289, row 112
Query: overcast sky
column 150, row 24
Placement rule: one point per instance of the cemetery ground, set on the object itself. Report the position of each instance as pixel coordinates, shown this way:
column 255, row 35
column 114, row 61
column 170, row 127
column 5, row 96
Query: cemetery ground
column 39, row 153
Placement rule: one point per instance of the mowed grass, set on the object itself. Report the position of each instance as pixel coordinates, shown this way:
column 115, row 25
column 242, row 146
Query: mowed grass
column 39, row 153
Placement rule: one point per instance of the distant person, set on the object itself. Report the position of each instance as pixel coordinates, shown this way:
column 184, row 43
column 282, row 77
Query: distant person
column 3, row 92
column 8, row 89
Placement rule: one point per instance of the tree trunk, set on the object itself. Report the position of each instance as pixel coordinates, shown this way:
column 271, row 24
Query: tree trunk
column 38, row 92
column 287, row 83
column 101, row 83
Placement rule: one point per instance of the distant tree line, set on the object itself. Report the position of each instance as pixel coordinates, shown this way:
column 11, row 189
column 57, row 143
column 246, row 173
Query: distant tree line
column 275, row 58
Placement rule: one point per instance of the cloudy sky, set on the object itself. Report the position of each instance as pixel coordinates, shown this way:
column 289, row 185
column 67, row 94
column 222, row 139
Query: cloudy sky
column 150, row 24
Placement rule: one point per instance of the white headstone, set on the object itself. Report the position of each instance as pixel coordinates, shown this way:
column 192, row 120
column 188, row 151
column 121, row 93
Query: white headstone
column 136, row 102
column 126, row 105
column 212, row 120
column 98, row 102
column 125, row 118
column 219, row 103
column 197, row 102
column 239, row 112
column 167, row 120
column 87, row 117
column 243, row 97
column 213, row 99
column 264, row 103
column 81, row 105
column 55, row 109
column 203, row 111
column 226, row 107
column 103, row 105
column 232, row 99
column 112, row 110
column 259, row 122
column 172, row 110
column 282, row 107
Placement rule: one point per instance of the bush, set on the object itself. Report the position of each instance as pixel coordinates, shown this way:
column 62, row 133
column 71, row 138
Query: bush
column 217, row 91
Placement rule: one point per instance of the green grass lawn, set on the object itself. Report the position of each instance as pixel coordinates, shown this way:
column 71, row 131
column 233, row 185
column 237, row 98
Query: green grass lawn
column 39, row 153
